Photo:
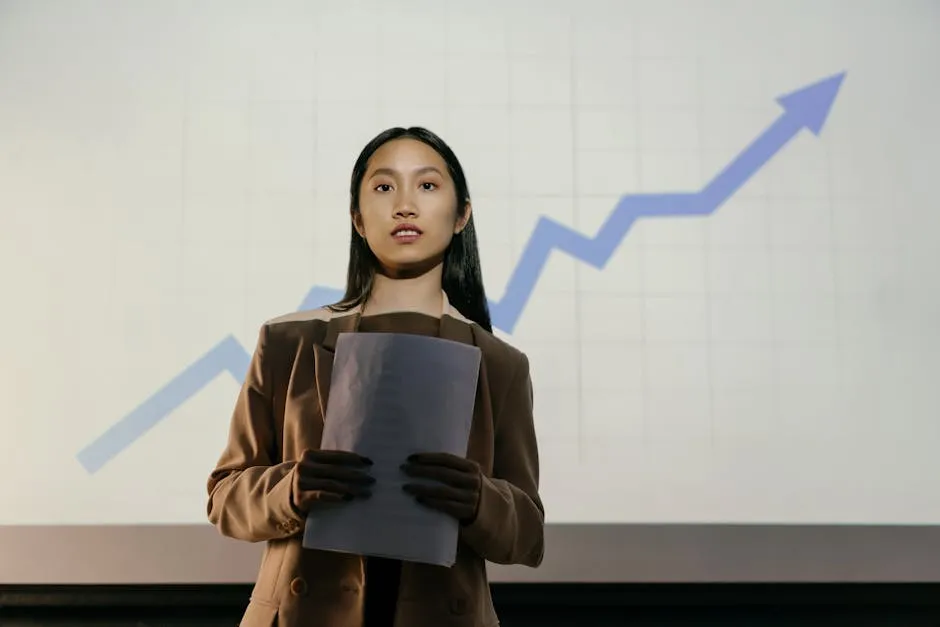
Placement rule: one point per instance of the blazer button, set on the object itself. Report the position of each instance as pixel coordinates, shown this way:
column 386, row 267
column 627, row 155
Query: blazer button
column 458, row 606
column 298, row 586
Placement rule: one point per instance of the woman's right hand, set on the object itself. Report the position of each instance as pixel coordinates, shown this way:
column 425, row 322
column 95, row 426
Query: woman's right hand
column 329, row 476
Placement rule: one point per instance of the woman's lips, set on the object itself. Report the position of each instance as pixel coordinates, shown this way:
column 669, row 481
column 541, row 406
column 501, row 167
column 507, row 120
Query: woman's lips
column 406, row 233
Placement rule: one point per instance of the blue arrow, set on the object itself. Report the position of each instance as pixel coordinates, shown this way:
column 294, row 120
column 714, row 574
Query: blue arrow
column 227, row 356
column 807, row 108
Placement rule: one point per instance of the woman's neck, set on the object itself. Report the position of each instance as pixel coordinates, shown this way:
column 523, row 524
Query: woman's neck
column 421, row 294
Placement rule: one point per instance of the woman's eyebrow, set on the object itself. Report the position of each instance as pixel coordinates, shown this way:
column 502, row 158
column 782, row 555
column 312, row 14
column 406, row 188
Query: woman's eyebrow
column 391, row 172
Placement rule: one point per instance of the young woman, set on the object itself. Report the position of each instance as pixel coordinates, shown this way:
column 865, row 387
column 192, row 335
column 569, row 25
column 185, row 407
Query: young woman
column 413, row 268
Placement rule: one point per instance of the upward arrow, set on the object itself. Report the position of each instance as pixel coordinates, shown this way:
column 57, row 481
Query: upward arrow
column 807, row 107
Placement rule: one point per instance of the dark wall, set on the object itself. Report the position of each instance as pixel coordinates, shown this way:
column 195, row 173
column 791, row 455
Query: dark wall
column 670, row 605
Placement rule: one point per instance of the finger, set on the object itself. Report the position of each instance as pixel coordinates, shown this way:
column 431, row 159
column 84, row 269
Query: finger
column 335, row 457
column 340, row 473
column 450, row 476
column 331, row 486
column 443, row 459
column 460, row 511
column 443, row 493
column 307, row 500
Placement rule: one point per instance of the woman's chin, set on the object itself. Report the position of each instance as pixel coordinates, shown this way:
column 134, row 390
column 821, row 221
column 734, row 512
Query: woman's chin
column 409, row 266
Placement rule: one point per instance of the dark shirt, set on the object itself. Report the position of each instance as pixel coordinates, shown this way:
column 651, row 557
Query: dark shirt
column 383, row 577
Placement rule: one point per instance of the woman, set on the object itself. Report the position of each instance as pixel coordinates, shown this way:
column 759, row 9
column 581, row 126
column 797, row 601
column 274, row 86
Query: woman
column 413, row 268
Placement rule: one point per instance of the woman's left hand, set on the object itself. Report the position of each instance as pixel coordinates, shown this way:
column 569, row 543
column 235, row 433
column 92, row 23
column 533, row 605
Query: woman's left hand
column 460, row 482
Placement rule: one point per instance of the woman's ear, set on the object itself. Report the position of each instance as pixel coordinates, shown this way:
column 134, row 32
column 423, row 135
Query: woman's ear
column 356, row 217
column 463, row 219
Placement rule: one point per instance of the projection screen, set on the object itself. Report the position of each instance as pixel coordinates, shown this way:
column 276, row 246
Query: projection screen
column 732, row 321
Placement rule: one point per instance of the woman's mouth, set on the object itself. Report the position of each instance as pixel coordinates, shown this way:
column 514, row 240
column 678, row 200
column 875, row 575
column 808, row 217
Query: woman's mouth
column 406, row 233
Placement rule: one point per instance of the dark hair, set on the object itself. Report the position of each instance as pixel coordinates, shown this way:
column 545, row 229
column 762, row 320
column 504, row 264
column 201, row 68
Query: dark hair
column 462, row 279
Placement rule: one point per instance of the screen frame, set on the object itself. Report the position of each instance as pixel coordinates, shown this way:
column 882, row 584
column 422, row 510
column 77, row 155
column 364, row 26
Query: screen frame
column 650, row 553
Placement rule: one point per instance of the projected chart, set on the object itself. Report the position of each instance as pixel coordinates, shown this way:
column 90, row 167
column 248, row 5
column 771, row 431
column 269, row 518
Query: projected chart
column 803, row 109
column 712, row 232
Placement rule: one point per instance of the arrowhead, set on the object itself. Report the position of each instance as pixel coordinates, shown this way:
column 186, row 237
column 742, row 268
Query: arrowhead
column 810, row 105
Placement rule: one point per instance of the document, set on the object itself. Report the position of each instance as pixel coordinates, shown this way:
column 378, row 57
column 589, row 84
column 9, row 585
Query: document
column 392, row 395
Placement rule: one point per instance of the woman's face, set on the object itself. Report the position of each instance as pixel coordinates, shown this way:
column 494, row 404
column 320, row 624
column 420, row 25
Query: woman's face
column 407, row 207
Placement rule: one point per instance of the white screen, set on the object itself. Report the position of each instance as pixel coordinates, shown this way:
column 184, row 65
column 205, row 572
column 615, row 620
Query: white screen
column 732, row 317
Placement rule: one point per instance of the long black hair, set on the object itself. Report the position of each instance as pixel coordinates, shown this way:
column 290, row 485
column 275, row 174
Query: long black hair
column 462, row 278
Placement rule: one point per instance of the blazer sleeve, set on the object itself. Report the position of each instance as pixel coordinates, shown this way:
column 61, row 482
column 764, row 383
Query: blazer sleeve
column 509, row 527
column 249, row 491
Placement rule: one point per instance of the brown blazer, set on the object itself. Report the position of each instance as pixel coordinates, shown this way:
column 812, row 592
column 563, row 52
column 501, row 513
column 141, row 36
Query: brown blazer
column 279, row 413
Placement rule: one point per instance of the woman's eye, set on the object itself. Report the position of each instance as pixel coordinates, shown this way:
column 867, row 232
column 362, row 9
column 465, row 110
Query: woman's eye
column 428, row 186
column 383, row 187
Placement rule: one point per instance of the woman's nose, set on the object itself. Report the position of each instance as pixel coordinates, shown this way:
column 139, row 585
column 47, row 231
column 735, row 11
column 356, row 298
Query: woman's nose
column 406, row 209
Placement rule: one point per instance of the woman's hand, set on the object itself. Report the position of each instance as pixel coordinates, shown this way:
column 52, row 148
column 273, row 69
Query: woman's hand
column 330, row 476
column 459, row 479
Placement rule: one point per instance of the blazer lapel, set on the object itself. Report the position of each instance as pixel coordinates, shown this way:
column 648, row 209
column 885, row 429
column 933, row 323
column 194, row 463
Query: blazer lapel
column 454, row 326
column 324, row 354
